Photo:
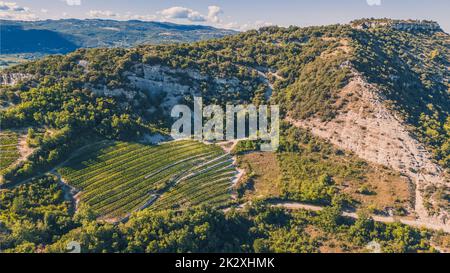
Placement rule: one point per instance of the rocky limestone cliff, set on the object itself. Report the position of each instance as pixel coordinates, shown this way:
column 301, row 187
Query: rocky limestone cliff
column 155, row 81
column 9, row 79
column 402, row 25
column 174, row 84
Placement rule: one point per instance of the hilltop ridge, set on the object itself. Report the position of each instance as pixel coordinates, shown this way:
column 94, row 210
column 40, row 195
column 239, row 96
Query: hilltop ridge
column 404, row 25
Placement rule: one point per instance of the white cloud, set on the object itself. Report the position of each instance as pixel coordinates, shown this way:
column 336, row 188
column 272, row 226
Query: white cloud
column 131, row 16
column 191, row 15
column 230, row 25
column 213, row 17
column 374, row 2
column 182, row 13
column 12, row 11
column 121, row 16
column 251, row 25
column 102, row 14
column 11, row 6
column 24, row 16
column 73, row 2
column 213, row 14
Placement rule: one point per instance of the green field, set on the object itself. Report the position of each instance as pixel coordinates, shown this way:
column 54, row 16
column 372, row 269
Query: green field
column 8, row 149
column 117, row 178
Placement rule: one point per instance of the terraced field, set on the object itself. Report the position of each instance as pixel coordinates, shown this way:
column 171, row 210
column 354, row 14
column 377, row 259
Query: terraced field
column 117, row 178
column 8, row 149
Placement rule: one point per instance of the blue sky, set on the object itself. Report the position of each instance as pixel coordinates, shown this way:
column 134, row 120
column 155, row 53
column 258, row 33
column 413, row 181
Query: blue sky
column 236, row 14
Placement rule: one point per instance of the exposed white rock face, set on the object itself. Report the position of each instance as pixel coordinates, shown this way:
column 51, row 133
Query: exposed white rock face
column 419, row 26
column 104, row 91
column 84, row 64
column 155, row 80
column 174, row 84
column 409, row 25
column 10, row 79
column 155, row 139
column 168, row 86
column 374, row 133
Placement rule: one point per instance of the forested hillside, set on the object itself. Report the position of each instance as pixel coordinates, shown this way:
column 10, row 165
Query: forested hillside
column 366, row 110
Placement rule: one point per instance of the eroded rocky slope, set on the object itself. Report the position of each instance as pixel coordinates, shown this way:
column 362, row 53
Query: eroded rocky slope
column 375, row 133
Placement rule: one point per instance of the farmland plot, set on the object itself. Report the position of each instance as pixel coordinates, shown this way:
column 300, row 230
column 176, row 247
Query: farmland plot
column 118, row 178
column 9, row 152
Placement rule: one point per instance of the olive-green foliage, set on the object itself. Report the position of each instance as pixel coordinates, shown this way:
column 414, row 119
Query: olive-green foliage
column 245, row 146
column 276, row 230
column 52, row 150
column 315, row 90
column 256, row 229
column 33, row 215
column 310, row 167
column 194, row 230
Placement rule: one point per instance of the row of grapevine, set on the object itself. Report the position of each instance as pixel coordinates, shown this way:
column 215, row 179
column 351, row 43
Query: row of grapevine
column 117, row 178
column 8, row 149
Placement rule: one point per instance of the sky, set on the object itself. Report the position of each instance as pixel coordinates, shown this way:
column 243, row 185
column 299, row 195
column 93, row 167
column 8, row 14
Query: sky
column 232, row 14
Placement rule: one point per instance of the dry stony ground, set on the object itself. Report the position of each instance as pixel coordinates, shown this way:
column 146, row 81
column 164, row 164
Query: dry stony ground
column 367, row 127
column 388, row 189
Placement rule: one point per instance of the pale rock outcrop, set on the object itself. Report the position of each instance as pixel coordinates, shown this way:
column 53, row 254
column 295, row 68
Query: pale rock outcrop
column 11, row 79
column 174, row 84
column 401, row 25
column 374, row 133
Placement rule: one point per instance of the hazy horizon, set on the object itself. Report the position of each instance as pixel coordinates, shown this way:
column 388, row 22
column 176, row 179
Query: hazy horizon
column 230, row 14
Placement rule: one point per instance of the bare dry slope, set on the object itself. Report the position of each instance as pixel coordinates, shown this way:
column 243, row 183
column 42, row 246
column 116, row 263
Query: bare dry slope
column 374, row 133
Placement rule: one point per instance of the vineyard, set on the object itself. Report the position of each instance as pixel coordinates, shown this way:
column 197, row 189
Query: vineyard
column 117, row 178
column 8, row 149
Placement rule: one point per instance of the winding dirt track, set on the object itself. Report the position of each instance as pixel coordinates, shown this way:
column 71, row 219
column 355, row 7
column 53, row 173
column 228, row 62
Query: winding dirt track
column 376, row 218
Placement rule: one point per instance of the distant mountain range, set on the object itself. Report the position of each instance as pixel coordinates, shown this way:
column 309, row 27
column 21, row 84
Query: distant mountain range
column 63, row 36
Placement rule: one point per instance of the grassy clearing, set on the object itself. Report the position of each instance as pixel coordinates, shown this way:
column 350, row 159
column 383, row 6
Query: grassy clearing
column 119, row 178
column 262, row 175
column 315, row 178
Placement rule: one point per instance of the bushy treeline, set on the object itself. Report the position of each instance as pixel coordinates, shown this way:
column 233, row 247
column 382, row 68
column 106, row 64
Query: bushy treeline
column 259, row 229
column 52, row 150
column 36, row 217
column 310, row 168
column 76, row 116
